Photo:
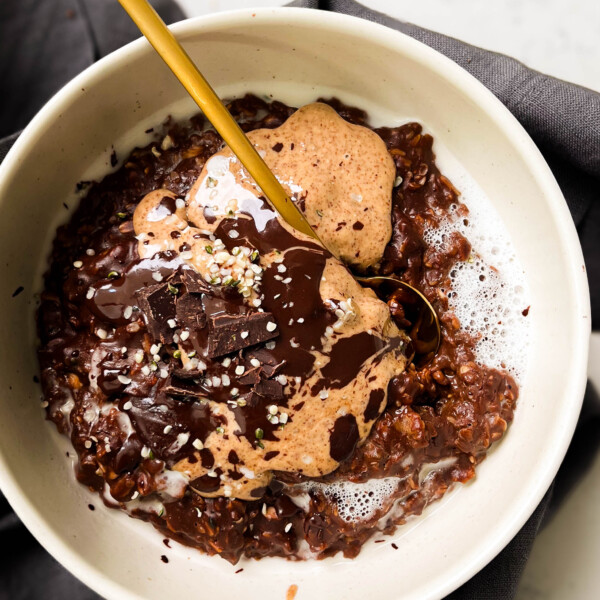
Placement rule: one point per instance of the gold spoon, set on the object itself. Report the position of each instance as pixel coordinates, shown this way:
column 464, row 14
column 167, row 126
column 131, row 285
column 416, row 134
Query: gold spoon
column 425, row 329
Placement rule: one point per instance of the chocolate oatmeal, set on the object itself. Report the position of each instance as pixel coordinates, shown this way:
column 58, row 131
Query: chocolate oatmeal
column 225, row 377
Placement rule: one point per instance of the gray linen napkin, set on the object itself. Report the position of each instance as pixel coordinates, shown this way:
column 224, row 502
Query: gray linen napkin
column 44, row 44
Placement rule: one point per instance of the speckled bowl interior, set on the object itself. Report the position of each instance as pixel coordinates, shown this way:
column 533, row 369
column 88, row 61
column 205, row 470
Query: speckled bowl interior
column 295, row 55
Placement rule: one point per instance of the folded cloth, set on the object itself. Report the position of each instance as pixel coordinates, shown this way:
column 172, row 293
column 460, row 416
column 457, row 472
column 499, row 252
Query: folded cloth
column 44, row 44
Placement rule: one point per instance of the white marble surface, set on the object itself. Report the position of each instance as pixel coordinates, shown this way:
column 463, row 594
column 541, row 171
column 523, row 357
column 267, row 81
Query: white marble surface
column 561, row 38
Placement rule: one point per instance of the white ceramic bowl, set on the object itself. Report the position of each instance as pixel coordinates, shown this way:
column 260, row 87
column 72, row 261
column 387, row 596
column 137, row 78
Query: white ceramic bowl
column 295, row 54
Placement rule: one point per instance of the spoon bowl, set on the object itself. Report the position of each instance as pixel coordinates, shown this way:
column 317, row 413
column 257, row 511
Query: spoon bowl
column 411, row 311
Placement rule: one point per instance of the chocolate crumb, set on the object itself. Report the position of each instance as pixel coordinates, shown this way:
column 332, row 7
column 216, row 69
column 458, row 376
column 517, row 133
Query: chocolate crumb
column 18, row 291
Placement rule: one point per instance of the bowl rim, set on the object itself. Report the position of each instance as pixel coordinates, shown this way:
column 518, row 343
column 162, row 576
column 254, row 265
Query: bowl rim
column 398, row 42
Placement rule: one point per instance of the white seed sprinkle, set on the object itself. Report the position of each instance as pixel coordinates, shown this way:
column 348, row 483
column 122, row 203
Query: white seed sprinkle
column 233, row 234
column 128, row 312
column 271, row 326
column 87, row 444
column 180, row 203
column 287, row 280
column 283, row 418
column 264, row 509
column 239, row 370
column 128, row 405
column 172, row 323
column 168, row 429
column 156, row 358
column 157, row 276
column 300, row 320
column 124, row 379
column 216, row 381
column 255, row 362
column 324, row 394
column 211, row 474
column 90, row 293
column 244, row 335
column 167, row 143
column 182, row 439
column 198, row 444
column 281, row 268
column 225, row 379
column 154, row 349
column 270, row 345
column 45, row 404
column 187, row 255
column 90, row 252
column 78, row 264
column 101, row 333
column 273, row 409
column 184, row 335
column 294, row 343
column 274, row 420
column 282, row 379
column 146, row 370
column 135, row 495
column 164, row 373
column 145, row 452
column 288, row 527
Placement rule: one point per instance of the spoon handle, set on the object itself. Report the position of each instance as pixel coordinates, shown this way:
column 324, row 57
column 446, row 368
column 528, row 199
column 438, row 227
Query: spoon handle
column 157, row 33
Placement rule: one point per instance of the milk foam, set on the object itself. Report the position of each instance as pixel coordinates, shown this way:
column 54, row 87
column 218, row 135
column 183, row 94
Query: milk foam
column 357, row 501
column 489, row 291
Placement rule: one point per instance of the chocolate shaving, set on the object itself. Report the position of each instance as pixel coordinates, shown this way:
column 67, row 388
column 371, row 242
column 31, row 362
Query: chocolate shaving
column 231, row 332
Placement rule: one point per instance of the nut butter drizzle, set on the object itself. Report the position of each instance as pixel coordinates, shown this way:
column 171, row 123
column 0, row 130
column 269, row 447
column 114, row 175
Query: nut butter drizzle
column 293, row 404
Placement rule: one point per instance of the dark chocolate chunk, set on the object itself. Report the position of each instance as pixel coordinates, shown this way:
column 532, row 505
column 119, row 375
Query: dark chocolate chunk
column 158, row 306
column 269, row 389
column 269, row 367
column 344, row 438
column 228, row 333
column 194, row 282
column 278, row 147
column 178, row 386
column 250, row 377
column 190, row 312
